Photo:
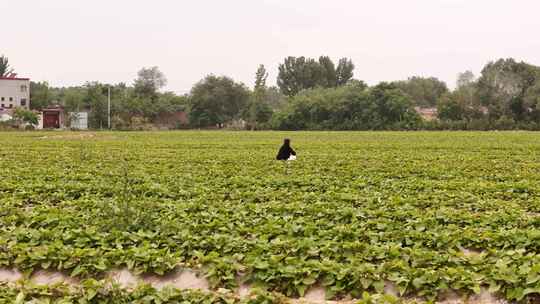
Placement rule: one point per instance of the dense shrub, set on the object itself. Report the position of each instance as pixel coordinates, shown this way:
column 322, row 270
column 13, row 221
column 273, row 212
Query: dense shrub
column 383, row 107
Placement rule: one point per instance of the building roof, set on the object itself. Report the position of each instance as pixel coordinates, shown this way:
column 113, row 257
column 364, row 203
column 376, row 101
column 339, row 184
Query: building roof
column 53, row 108
column 427, row 113
column 13, row 78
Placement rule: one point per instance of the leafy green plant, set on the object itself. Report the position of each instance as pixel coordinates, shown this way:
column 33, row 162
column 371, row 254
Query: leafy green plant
column 425, row 213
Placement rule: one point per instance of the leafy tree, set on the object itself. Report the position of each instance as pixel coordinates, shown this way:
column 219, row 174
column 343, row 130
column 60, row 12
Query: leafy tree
column 5, row 68
column 359, row 84
column 344, row 71
column 41, row 95
column 217, row 100
column 21, row 115
column 532, row 101
column 167, row 102
column 351, row 107
column 465, row 92
column 96, row 99
column 503, row 87
column 274, row 98
column 258, row 109
column 170, row 102
column 450, row 109
column 461, row 104
column 256, row 113
column 126, row 104
column 392, row 107
column 260, row 78
column 297, row 74
column 424, row 92
column 329, row 74
column 73, row 99
column 312, row 109
column 465, row 79
column 300, row 73
column 149, row 81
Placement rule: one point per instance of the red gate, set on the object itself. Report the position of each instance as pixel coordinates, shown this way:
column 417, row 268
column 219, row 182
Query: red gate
column 51, row 120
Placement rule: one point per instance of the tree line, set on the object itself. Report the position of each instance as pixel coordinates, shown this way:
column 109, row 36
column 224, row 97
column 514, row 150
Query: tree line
column 311, row 94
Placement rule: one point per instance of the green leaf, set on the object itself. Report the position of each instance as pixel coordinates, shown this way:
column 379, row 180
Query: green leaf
column 309, row 280
column 328, row 280
column 20, row 298
column 301, row 289
column 90, row 294
column 379, row 286
column 261, row 265
column 46, row 265
column 366, row 283
column 418, row 282
column 77, row 270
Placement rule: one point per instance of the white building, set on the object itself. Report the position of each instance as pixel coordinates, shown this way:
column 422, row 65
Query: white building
column 78, row 120
column 14, row 92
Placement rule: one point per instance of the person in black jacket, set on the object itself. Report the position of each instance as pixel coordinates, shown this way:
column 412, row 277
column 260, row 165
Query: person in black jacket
column 285, row 151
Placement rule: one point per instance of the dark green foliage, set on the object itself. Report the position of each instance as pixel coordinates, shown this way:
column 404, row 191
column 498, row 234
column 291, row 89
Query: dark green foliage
column 504, row 97
column 42, row 95
column 297, row 74
column 256, row 113
column 259, row 108
column 419, row 209
column 98, row 292
column 329, row 74
column 128, row 104
column 344, row 71
column 21, row 115
column 450, row 109
column 217, row 100
column 424, row 92
column 308, row 96
column 301, row 73
column 351, row 107
column 504, row 86
column 274, row 98
column 96, row 100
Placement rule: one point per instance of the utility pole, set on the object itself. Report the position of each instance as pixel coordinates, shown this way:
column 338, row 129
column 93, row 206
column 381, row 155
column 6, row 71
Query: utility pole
column 109, row 107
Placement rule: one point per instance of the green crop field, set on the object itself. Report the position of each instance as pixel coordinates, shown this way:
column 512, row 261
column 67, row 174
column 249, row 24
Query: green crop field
column 358, row 214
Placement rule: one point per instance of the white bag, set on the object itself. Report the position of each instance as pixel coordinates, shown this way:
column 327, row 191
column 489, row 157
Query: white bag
column 292, row 157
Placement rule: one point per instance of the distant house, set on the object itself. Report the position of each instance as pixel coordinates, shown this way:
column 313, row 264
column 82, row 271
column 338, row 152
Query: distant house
column 14, row 92
column 53, row 117
column 428, row 114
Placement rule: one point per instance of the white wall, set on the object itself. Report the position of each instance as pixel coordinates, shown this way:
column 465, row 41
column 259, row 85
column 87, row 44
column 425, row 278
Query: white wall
column 79, row 120
column 5, row 117
column 14, row 92
column 40, row 121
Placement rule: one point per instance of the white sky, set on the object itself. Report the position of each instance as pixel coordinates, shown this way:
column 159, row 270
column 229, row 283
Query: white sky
column 68, row 42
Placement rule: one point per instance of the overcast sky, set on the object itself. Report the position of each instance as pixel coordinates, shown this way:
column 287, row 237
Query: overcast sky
column 68, row 42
